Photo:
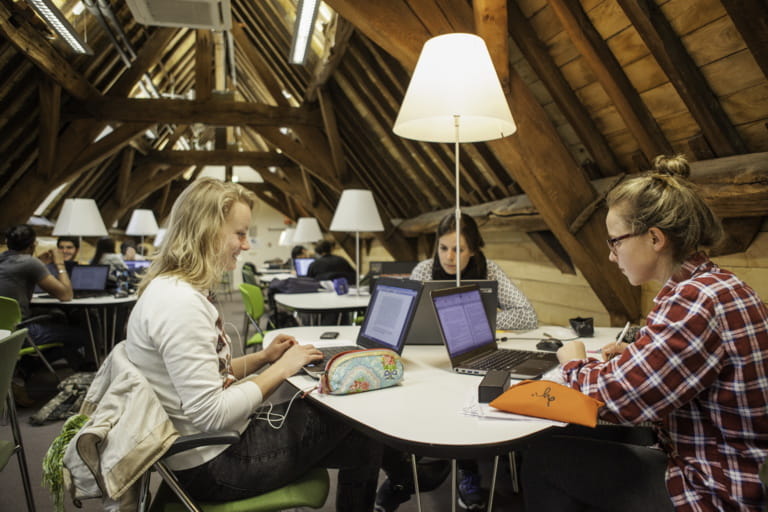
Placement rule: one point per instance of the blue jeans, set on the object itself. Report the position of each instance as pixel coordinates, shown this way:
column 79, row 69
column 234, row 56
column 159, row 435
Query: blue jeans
column 74, row 339
column 265, row 459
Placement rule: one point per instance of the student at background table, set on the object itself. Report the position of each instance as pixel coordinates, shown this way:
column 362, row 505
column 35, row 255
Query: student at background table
column 698, row 369
column 515, row 312
column 186, row 356
column 69, row 246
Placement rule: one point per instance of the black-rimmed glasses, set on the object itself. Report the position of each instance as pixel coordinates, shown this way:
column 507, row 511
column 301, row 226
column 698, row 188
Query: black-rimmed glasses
column 615, row 242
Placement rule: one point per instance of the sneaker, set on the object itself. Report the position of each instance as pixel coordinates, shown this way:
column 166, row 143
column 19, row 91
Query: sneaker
column 431, row 476
column 390, row 496
column 471, row 495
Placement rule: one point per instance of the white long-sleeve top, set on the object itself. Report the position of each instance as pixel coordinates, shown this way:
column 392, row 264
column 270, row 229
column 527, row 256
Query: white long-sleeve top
column 515, row 311
column 172, row 339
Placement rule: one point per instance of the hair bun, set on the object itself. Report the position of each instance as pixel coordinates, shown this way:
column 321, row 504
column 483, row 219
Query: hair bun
column 675, row 165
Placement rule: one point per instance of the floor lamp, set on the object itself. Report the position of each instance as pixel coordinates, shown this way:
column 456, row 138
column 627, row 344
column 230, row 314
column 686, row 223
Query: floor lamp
column 79, row 217
column 454, row 96
column 356, row 212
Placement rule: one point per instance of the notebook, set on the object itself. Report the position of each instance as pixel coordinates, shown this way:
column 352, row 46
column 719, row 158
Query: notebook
column 424, row 329
column 89, row 280
column 302, row 265
column 390, row 312
column 467, row 334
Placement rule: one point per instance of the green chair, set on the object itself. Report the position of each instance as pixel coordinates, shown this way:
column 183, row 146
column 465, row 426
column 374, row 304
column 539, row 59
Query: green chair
column 9, row 354
column 10, row 320
column 311, row 490
column 253, row 300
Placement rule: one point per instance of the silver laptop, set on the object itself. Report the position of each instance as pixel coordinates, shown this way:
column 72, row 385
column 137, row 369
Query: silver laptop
column 424, row 330
column 471, row 343
column 387, row 320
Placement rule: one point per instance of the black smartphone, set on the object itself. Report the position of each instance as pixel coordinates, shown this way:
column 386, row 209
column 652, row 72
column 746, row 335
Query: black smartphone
column 329, row 335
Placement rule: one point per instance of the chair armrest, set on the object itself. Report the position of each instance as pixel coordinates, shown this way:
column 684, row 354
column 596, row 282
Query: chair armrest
column 185, row 443
column 37, row 319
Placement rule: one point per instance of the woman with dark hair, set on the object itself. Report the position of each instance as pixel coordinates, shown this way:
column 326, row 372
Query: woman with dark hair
column 698, row 370
column 515, row 311
column 106, row 255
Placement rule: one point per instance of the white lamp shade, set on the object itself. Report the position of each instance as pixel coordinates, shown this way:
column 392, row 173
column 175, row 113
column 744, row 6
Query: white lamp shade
column 307, row 230
column 356, row 211
column 142, row 223
column 286, row 237
column 454, row 76
column 80, row 217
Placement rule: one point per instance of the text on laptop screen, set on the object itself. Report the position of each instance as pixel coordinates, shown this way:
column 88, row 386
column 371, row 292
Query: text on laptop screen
column 302, row 265
column 464, row 321
column 90, row 277
column 387, row 315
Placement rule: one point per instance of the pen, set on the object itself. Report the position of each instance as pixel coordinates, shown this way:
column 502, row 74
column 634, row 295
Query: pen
column 621, row 336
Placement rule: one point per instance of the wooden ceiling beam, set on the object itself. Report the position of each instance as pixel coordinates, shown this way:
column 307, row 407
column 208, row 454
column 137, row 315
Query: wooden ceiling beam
column 257, row 60
column 595, row 51
column 149, row 55
column 212, row 112
column 334, row 51
column 124, row 176
column 491, row 15
column 203, row 64
column 688, row 80
column 568, row 102
column 50, row 111
column 31, row 43
column 332, row 132
column 223, row 157
column 751, row 20
column 104, row 148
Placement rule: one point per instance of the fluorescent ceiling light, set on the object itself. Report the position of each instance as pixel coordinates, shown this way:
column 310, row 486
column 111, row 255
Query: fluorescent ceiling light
column 306, row 13
column 53, row 16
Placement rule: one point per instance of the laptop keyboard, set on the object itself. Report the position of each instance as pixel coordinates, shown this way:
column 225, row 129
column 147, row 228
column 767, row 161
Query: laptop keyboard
column 328, row 353
column 502, row 360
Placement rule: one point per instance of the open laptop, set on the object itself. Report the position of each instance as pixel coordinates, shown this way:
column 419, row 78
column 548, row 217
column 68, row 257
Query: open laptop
column 90, row 280
column 387, row 320
column 138, row 267
column 302, row 265
column 424, row 329
column 471, row 343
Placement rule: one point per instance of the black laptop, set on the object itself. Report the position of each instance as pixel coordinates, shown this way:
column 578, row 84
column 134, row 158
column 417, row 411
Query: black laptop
column 90, row 281
column 471, row 343
column 387, row 320
column 424, row 329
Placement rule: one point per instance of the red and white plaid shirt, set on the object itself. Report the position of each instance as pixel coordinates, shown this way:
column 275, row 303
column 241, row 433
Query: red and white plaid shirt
column 699, row 370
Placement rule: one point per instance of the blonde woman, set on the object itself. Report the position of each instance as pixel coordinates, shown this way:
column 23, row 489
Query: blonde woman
column 698, row 370
column 175, row 337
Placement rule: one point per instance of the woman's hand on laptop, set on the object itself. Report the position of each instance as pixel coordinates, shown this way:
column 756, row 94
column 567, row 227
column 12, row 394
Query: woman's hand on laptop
column 297, row 356
column 279, row 345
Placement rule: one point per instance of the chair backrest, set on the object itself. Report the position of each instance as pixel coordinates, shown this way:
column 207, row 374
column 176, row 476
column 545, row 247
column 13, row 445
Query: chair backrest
column 253, row 299
column 9, row 353
column 10, row 313
column 249, row 277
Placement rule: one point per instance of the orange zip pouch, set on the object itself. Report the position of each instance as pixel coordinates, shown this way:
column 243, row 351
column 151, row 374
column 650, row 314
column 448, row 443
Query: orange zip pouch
column 549, row 400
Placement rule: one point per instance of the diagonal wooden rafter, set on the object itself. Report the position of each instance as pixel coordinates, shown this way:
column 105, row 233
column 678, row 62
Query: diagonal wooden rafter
column 612, row 78
column 669, row 52
column 50, row 110
column 751, row 20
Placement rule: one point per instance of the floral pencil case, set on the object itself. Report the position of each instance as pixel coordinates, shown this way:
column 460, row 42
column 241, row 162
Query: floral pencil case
column 361, row 370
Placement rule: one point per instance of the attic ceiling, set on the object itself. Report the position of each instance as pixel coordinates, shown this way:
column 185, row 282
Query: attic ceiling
column 597, row 89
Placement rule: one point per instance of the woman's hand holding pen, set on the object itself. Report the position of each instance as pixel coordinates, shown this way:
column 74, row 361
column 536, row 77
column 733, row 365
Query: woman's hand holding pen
column 612, row 350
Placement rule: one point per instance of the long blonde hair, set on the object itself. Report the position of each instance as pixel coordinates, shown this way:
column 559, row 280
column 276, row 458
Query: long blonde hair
column 664, row 198
column 191, row 250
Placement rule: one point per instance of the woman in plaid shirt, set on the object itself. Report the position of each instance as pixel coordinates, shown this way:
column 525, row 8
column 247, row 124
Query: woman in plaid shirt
column 698, row 369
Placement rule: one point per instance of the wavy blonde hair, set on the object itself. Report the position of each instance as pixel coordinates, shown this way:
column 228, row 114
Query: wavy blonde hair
column 191, row 250
column 664, row 198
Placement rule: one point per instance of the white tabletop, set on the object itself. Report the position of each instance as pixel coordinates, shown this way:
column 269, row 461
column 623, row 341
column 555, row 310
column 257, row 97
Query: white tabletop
column 423, row 414
column 106, row 300
column 323, row 301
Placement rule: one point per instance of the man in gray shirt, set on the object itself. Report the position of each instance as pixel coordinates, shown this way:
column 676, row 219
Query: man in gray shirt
column 20, row 271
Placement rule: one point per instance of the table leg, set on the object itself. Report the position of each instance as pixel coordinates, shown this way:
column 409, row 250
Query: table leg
column 453, row 485
column 416, row 482
column 90, row 334
column 493, row 483
column 513, row 472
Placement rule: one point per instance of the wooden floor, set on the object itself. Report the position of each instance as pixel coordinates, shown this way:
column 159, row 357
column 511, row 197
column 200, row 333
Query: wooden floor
column 37, row 439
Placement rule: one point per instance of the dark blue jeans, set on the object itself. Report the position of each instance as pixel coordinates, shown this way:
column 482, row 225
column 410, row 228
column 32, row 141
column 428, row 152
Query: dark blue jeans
column 265, row 459
column 578, row 474
column 74, row 339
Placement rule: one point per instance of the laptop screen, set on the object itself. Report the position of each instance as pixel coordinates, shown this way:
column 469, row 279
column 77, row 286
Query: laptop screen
column 462, row 319
column 90, row 277
column 389, row 314
column 302, row 265
column 138, row 266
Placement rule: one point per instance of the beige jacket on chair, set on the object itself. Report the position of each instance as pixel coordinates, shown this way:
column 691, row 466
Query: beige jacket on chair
column 128, row 430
